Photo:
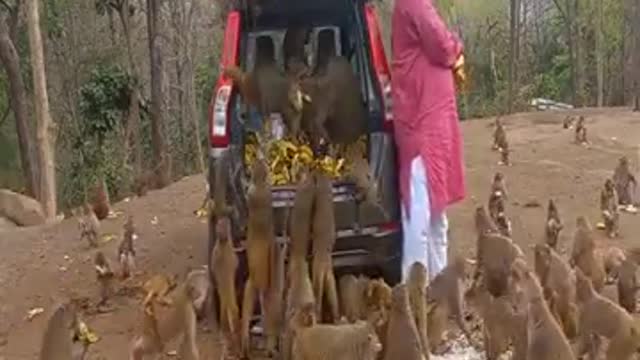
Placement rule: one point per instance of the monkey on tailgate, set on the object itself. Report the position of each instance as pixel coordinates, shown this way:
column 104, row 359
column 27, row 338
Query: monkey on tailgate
column 61, row 339
column 558, row 282
column 324, row 237
column 445, row 295
column 260, row 244
column 583, row 253
column 403, row 340
column 553, row 226
column 417, row 288
column 545, row 339
column 625, row 183
column 601, row 317
column 609, row 208
column 224, row 264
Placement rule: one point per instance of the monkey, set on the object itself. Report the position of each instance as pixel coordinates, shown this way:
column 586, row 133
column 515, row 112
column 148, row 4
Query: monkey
column 366, row 186
column 499, row 136
column 126, row 251
column 484, row 227
column 260, row 244
column 157, row 287
column 504, row 154
column 100, row 201
column 342, row 342
column 625, row 183
column 445, row 296
column 553, row 226
column 89, row 226
column 300, row 299
column 602, row 317
column 403, row 339
column 609, row 208
column 545, row 337
column 161, row 325
column 497, row 253
column 274, row 314
column 568, row 121
column 417, row 288
column 558, row 283
column 104, row 276
column 499, row 186
column 295, row 59
column 200, row 282
column 377, row 304
column 612, row 257
column 627, row 285
column 224, row 265
column 583, row 254
column 324, row 237
column 581, row 131
column 352, row 291
column 61, row 338
column 497, row 211
column 300, row 227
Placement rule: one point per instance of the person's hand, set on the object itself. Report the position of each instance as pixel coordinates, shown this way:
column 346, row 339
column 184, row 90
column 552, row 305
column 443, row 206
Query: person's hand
column 459, row 63
column 459, row 74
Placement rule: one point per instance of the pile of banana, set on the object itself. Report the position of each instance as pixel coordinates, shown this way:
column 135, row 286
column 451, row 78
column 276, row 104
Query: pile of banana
column 286, row 160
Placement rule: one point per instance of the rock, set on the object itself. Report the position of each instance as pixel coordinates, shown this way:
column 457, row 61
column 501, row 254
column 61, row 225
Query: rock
column 20, row 209
column 6, row 224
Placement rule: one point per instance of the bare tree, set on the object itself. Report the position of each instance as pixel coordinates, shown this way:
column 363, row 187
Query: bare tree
column 599, row 52
column 158, row 143
column 513, row 40
column 18, row 96
column 636, row 55
column 46, row 127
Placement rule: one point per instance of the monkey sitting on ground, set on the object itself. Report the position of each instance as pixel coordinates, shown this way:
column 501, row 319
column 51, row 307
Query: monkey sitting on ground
column 324, row 237
column 545, row 337
column 628, row 285
column 89, row 226
column 126, row 251
column 352, row 291
column 612, row 257
column 105, row 277
column 378, row 302
column 61, row 339
column 499, row 186
column 300, row 301
column 341, row 342
column 162, row 324
column 609, row 208
column 499, row 136
column 558, row 282
column 625, row 183
column 445, row 298
column 602, row 317
column 553, row 226
column 583, row 254
column 568, row 121
column 402, row 338
column 417, row 288
column 224, row 264
column 260, row 244
column 581, row 132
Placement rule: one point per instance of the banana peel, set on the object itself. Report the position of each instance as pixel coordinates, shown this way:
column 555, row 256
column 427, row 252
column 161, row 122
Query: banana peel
column 85, row 334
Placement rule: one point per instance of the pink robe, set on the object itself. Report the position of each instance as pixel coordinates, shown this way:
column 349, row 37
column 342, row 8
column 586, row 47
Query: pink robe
column 424, row 101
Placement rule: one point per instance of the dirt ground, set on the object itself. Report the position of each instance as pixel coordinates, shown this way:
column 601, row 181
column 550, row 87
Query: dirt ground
column 42, row 266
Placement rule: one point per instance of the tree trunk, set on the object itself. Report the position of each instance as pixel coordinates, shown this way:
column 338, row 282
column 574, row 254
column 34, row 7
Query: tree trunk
column 46, row 128
column 18, row 102
column 189, row 84
column 513, row 34
column 580, row 52
column 636, row 56
column 161, row 162
column 599, row 53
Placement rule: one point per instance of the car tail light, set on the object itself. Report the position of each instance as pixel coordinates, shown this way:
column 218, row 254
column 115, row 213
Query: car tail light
column 219, row 107
column 383, row 74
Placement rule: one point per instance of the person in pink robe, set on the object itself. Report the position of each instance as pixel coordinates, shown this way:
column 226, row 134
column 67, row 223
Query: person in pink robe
column 426, row 129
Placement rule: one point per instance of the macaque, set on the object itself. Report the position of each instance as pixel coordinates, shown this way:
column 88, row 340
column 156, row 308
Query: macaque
column 558, row 282
column 275, row 304
column 497, row 211
column 609, row 208
column 300, row 303
column 224, row 264
column 417, row 288
column 568, row 121
column 628, row 285
column 553, row 226
column 352, row 297
column 612, row 258
column 545, row 337
column 161, row 325
column 104, row 276
column 260, row 244
column 497, row 253
column 484, row 227
column 295, row 58
column 89, row 226
column 499, row 186
column 625, row 183
column 61, row 339
column 157, row 287
column 583, row 254
column 324, row 237
column 403, row 339
column 445, row 298
column 504, row 155
column 600, row 316
column 301, row 215
column 365, row 185
column 581, row 131
column 499, row 136
column 126, row 251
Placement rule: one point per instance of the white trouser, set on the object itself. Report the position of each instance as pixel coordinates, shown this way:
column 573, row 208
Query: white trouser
column 425, row 234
